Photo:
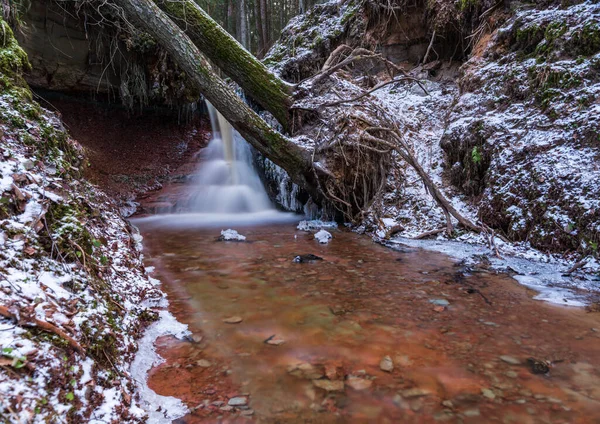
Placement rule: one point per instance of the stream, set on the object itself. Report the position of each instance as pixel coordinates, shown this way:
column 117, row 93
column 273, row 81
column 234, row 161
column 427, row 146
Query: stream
column 365, row 334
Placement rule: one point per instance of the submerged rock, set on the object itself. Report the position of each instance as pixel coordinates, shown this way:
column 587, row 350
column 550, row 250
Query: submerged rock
column 238, row 401
column 386, row 364
column 307, row 258
column 358, row 383
column 329, row 386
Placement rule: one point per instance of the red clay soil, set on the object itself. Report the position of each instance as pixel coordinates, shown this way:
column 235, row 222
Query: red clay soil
column 130, row 154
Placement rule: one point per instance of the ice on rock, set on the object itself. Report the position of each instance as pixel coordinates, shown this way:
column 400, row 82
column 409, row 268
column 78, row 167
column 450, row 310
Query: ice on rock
column 315, row 224
column 323, row 236
column 232, row 235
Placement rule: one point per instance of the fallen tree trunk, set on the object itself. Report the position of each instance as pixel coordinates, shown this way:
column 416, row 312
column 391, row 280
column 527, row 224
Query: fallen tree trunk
column 271, row 143
column 231, row 57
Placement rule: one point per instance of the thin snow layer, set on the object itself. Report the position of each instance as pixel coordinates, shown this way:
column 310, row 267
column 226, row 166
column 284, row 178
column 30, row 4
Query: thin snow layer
column 161, row 409
column 316, row 224
column 534, row 114
column 232, row 235
column 544, row 273
column 323, row 236
column 67, row 260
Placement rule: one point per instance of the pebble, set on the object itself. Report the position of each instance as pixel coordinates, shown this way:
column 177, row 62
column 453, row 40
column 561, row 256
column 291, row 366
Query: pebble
column 511, row 374
column 416, row 392
column 510, row 360
column 439, row 302
column 203, row 363
column 488, row 393
column 448, row 404
column 472, row 413
column 238, row 401
column 329, row 386
column 233, row 320
column 247, row 412
column 386, row 364
column 359, row 383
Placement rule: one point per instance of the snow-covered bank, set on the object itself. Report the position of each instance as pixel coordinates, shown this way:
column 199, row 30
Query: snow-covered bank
column 74, row 294
column 547, row 274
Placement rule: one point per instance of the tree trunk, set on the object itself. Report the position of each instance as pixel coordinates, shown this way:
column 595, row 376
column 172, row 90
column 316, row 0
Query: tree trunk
column 258, row 82
column 243, row 25
column 264, row 20
column 296, row 161
column 261, row 50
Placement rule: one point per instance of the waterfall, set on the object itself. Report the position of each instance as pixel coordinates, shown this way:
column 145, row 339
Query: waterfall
column 226, row 189
column 227, row 181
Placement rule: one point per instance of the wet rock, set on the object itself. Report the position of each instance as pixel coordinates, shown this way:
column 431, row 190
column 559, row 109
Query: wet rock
column 300, row 259
column 233, row 320
column 238, row 401
column 415, row 392
column 329, row 386
column 448, row 404
column 488, row 393
column 203, row 363
column 537, row 366
column 472, row 413
column 305, row 370
column 274, row 341
column 510, row 360
column 358, row 383
column 439, row 302
column 386, row 364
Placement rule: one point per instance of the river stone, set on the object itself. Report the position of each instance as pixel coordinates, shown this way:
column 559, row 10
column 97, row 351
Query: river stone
column 203, row 363
column 329, row 386
column 439, row 302
column 488, row 393
column 510, row 360
column 233, row 320
column 416, row 392
column 358, row 383
column 386, row 364
column 238, row 401
column 305, row 370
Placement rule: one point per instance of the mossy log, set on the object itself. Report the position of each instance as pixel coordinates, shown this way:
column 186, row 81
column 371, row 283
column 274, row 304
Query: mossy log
column 269, row 91
column 271, row 143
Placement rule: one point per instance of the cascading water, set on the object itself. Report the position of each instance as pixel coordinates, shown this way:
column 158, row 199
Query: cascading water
column 227, row 189
column 227, row 182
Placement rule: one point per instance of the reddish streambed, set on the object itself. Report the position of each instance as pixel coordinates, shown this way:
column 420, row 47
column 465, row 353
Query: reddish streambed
column 337, row 319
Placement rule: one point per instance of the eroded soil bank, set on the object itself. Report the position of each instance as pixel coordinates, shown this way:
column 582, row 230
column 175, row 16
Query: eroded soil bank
column 131, row 155
column 313, row 339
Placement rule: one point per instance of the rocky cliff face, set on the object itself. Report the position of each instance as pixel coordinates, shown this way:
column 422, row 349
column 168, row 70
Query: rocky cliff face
column 89, row 51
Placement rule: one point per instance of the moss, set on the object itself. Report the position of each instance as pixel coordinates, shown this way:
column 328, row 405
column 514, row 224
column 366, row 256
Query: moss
column 467, row 4
column 13, row 60
column 586, row 41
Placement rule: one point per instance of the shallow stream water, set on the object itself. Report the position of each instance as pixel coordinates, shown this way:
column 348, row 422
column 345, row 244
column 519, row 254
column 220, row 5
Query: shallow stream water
column 316, row 342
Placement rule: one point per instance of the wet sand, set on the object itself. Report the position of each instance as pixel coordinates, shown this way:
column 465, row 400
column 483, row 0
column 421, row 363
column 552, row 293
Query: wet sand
column 312, row 336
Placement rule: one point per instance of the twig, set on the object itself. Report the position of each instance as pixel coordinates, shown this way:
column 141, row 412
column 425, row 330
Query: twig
column 46, row 326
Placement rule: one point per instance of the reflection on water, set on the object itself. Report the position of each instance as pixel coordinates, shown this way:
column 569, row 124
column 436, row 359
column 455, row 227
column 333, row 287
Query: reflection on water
column 314, row 337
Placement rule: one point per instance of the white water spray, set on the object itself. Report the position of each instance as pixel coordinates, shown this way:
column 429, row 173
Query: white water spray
column 227, row 181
